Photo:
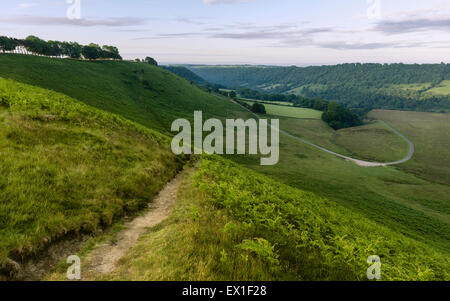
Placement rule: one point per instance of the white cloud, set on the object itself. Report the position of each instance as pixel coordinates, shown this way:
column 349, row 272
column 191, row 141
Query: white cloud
column 61, row 21
column 224, row 1
column 26, row 5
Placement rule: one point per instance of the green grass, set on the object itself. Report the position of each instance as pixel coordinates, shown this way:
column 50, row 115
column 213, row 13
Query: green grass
column 410, row 199
column 140, row 92
column 289, row 111
column 372, row 142
column 313, row 87
column 412, row 203
column 412, row 87
column 234, row 224
column 442, row 89
column 67, row 168
column 430, row 133
column 280, row 103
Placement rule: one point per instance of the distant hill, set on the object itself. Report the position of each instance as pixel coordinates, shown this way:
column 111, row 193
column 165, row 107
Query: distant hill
column 186, row 74
column 388, row 86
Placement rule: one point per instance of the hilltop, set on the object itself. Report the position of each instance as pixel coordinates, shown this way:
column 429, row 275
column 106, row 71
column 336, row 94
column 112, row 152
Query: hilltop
column 139, row 92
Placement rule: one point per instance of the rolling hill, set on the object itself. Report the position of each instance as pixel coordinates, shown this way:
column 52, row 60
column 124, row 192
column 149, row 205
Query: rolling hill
column 369, row 86
column 186, row 74
column 140, row 92
column 111, row 122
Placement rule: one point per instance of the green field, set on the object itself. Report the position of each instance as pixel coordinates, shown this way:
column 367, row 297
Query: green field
column 371, row 142
column 412, row 87
column 442, row 89
column 415, row 204
column 55, row 148
column 430, row 133
column 280, row 103
column 313, row 87
column 289, row 111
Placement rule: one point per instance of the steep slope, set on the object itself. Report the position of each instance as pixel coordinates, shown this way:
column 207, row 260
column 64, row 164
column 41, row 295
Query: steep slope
column 67, row 168
column 140, row 92
column 234, row 224
column 186, row 74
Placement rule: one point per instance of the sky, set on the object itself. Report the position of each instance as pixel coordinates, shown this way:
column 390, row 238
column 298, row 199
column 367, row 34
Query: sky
column 263, row 32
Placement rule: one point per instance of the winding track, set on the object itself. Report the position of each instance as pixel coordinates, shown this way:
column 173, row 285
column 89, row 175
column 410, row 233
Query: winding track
column 358, row 162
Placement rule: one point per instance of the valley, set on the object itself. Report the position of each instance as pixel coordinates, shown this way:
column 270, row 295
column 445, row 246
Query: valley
column 86, row 143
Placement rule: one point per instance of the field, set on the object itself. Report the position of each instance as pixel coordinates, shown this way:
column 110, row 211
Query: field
column 280, row 103
column 371, row 142
column 430, row 133
column 442, row 89
column 289, row 111
column 313, row 87
column 412, row 87
column 415, row 204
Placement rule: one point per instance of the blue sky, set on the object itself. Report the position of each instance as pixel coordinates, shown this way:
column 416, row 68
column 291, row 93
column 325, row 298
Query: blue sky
column 271, row 32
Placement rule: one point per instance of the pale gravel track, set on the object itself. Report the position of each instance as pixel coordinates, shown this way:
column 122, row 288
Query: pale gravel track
column 104, row 258
column 356, row 161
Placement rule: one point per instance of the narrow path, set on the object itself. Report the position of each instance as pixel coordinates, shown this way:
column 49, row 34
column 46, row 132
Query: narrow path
column 358, row 162
column 104, row 258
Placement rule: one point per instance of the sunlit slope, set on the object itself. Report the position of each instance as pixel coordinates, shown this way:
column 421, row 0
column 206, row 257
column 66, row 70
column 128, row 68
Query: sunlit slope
column 67, row 168
column 149, row 95
column 431, row 135
column 235, row 224
column 408, row 203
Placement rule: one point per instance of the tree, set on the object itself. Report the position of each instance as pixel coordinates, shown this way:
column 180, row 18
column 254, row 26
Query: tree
column 111, row 49
column 7, row 44
column 339, row 117
column 151, row 61
column 54, row 48
column 90, row 52
column 233, row 94
column 110, row 52
column 36, row 45
column 72, row 50
column 258, row 108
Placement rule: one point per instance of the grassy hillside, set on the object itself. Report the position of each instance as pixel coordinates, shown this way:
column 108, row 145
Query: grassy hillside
column 289, row 111
column 412, row 203
column 67, row 168
column 430, row 133
column 140, row 92
column 372, row 142
column 442, row 89
column 186, row 74
column 234, row 224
